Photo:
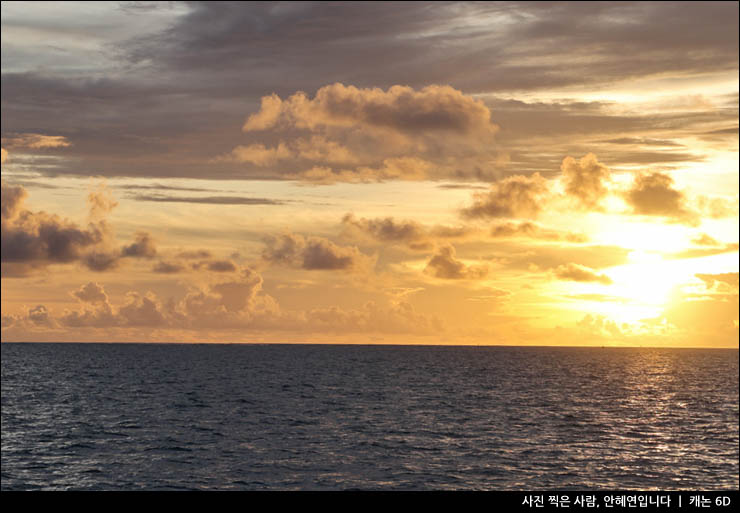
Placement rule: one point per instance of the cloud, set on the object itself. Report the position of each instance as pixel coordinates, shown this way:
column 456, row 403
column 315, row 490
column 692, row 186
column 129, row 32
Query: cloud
column 583, row 180
column 259, row 155
column 33, row 240
column 729, row 279
column 91, row 293
column 194, row 254
column 3, row 155
column 703, row 252
column 515, row 196
column 323, row 254
column 576, row 272
column 137, row 310
column 445, row 265
column 314, row 253
column 401, row 168
column 164, row 267
column 717, row 208
column 249, row 49
column 387, row 229
column 534, row 231
column 35, row 141
column 100, row 260
column 206, row 263
column 219, row 266
column 362, row 135
column 100, row 201
column 39, row 315
column 236, row 303
column 410, row 233
column 599, row 325
column 142, row 247
column 209, row 200
column 12, row 198
column 400, row 108
column 644, row 141
column 398, row 317
column 652, row 194
column 705, row 240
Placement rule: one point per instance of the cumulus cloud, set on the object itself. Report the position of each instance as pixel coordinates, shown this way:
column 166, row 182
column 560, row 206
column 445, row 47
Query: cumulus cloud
column 137, row 310
column 34, row 240
column 584, row 180
column 237, row 303
column 321, row 253
column 577, row 272
column 91, row 293
column 652, row 194
column 350, row 134
column 515, row 196
column 142, row 247
column 387, row 229
column 400, row 108
column 313, row 253
column 445, row 265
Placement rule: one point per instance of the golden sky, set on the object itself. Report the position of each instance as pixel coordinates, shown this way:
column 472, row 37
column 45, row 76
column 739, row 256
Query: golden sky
column 407, row 173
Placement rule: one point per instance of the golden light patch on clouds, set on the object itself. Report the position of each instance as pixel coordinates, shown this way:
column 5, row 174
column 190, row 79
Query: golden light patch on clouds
column 35, row 141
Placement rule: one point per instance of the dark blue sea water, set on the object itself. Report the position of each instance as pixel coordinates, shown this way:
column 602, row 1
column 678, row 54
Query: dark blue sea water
column 140, row 416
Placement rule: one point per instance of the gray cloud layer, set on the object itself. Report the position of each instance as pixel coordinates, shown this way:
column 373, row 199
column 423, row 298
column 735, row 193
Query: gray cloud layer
column 161, row 99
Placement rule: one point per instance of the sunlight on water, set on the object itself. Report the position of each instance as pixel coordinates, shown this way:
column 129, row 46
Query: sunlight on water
column 126, row 417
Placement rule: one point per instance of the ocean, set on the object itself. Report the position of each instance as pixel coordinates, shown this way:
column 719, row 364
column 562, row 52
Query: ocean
column 324, row 417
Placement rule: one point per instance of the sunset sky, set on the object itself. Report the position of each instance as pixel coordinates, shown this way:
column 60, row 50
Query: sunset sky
column 397, row 173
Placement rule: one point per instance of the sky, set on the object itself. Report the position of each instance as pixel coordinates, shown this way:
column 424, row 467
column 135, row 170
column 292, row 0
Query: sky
column 494, row 173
